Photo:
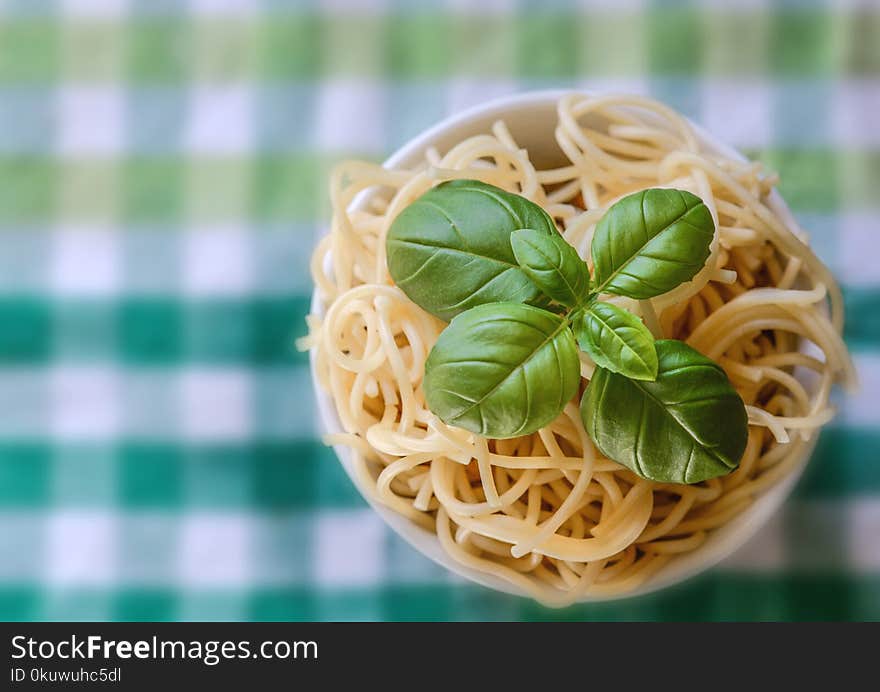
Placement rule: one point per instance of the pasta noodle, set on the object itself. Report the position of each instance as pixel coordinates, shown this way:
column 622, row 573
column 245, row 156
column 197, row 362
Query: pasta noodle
column 547, row 512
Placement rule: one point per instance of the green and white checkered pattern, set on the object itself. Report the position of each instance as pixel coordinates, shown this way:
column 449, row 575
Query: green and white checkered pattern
column 163, row 168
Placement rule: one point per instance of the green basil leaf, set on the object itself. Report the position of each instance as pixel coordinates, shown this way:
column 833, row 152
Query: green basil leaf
column 617, row 340
column 687, row 426
column 650, row 242
column 552, row 264
column 450, row 249
column 502, row 370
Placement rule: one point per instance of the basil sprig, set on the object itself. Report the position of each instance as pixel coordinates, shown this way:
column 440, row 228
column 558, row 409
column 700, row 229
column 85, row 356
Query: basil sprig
column 521, row 300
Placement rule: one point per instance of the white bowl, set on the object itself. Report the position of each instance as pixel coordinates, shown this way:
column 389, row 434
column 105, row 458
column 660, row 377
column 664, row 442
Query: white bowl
column 531, row 118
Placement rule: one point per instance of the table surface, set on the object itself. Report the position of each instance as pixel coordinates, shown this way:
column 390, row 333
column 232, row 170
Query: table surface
column 163, row 175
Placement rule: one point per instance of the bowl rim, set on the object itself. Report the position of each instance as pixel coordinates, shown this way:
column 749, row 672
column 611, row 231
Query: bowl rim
column 721, row 543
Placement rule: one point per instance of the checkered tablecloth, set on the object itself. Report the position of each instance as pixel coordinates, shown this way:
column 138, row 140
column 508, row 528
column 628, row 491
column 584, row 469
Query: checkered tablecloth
column 163, row 168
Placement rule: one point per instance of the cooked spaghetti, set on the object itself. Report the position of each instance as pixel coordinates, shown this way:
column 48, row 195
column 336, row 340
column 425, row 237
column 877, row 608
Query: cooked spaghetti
column 546, row 511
